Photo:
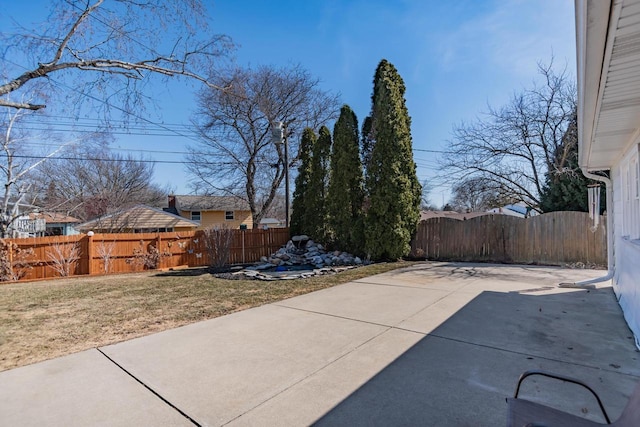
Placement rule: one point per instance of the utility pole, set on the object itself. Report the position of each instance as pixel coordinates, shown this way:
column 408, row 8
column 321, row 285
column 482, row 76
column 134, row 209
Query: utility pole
column 280, row 137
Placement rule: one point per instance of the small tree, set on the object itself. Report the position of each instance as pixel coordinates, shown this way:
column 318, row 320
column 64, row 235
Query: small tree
column 298, row 206
column 14, row 261
column 315, row 215
column 345, row 194
column 217, row 241
column 393, row 187
column 105, row 252
column 63, row 256
column 149, row 258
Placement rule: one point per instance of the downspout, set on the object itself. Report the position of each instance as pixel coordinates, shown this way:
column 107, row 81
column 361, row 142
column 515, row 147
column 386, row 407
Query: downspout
column 610, row 260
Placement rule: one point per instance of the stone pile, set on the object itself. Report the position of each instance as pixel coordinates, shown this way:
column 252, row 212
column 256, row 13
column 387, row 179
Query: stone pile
column 289, row 261
column 301, row 250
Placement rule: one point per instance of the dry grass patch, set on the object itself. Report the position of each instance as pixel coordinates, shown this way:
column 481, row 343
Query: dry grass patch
column 43, row 320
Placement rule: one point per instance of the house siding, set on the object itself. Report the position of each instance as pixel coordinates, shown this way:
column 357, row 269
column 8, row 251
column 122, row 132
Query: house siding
column 217, row 218
column 626, row 282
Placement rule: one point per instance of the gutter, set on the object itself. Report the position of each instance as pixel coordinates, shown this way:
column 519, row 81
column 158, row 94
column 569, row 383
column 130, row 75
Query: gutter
column 589, row 284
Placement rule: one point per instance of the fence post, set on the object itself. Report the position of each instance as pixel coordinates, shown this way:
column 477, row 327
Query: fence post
column 10, row 250
column 90, row 253
column 160, row 257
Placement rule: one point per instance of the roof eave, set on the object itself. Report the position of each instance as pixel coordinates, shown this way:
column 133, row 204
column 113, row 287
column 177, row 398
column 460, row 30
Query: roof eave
column 592, row 27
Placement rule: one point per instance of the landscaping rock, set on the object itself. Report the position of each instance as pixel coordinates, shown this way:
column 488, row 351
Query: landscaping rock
column 300, row 251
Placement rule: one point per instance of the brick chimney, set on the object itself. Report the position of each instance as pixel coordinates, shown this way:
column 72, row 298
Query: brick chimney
column 172, row 201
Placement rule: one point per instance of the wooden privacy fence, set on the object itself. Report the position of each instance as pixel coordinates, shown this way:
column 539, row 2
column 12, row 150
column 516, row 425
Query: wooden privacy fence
column 554, row 238
column 43, row 257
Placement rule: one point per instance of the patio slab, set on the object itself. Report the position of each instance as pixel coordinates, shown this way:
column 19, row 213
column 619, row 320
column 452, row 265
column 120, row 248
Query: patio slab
column 376, row 303
column 310, row 399
column 552, row 325
column 442, row 382
column 82, row 389
column 218, row 370
column 435, row 344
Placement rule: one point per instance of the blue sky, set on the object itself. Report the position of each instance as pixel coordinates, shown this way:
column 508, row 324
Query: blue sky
column 456, row 57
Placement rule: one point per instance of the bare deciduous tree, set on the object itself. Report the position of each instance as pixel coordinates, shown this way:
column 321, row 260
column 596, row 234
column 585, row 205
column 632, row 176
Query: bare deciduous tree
column 17, row 167
column 91, row 181
column 97, row 49
column 477, row 194
column 514, row 146
column 237, row 154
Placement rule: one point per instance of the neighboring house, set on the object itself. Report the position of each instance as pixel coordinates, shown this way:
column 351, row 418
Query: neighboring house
column 24, row 226
column 608, row 60
column 138, row 219
column 266, row 223
column 517, row 210
column 57, row 224
column 212, row 211
column 424, row 215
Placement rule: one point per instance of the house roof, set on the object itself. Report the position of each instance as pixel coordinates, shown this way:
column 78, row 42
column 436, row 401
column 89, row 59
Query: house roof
column 424, row 215
column 268, row 221
column 139, row 216
column 211, row 203
column 54, row 218
column 608, row 61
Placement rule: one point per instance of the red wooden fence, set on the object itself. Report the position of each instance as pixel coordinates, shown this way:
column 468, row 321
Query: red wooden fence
column 36, row 258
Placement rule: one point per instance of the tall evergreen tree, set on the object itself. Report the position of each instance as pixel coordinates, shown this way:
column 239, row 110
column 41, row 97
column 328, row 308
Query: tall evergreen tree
column 315, row 214
column 346, row 194
column 367, row 142
column 393, row 187
column 298, row 206
column 566, row 189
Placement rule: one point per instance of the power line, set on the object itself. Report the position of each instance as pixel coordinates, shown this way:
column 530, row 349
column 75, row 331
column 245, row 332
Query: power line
column 106, row 159
column 431, row 151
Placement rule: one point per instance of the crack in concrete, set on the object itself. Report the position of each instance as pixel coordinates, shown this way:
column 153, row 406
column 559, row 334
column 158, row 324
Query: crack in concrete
column 155, row 393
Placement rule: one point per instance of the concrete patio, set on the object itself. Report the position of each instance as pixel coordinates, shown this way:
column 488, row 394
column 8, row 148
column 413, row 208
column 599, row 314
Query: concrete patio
column 435, row 344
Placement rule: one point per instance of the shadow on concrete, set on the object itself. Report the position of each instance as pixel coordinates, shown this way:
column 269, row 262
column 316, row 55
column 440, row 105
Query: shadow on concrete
column 461, row 373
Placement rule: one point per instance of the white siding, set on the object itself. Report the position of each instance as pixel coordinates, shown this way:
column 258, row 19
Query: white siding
column 626, row 207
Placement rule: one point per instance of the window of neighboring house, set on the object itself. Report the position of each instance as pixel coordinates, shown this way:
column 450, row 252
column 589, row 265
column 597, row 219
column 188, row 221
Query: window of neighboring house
column 228, row 215
column 630, row 171
column 54, row 231
column 195, row 216
column 153, row 230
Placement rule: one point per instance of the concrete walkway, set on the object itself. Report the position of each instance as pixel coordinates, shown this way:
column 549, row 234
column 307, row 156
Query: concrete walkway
column 436, row 344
